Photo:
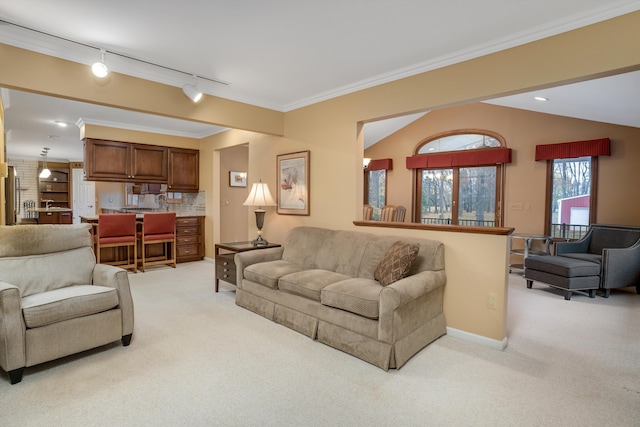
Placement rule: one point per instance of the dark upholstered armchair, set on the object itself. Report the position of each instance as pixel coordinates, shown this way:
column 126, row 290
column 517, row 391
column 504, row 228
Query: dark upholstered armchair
column 615, row 247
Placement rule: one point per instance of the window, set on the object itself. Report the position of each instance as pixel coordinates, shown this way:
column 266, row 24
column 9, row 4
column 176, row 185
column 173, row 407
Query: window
column 376, row 191
column 572, row 174
column 570, row 205
column 375, row 184
column 459, row 179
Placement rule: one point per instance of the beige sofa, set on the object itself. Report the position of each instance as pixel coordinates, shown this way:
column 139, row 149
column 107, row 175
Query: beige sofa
column 321, row 283
column 54, row 299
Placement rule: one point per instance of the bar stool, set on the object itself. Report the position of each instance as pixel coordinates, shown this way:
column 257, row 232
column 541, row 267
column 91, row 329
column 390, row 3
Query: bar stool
column 158, row 227
column 117, row 231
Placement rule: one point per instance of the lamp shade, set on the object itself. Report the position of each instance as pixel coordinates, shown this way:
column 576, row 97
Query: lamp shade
column 259, row 195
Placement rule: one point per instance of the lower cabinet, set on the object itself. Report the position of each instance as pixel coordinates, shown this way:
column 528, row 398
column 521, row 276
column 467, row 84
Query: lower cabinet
column 189, row 238
column 64, row 217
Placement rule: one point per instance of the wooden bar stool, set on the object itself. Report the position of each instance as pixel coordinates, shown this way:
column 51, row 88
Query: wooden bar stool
column 117, row 231
column 158, row 227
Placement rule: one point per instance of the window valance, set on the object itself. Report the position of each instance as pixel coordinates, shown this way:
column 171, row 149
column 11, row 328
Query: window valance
column 380, row 164
column 486, row 157
column 572, row 150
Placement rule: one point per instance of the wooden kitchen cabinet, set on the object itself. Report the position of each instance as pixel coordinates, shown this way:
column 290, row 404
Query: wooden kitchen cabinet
column 55, row 217
column 184, row 172
column 125, row 162
column 55, row 190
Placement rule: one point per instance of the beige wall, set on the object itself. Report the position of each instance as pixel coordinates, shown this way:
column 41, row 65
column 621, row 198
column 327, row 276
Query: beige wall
column 525, row 178
column 476, row 264
column 233, row 215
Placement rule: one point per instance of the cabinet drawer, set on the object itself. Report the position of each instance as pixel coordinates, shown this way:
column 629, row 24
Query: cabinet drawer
column 188, row 231
column 187, row 251
column 187, row 221
column 188, row 240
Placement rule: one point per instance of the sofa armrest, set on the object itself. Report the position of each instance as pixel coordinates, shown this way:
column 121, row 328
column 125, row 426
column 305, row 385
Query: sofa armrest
column 403, row 292
column 245, row 259
column 116, row 277
column 621, row 267
column 12, row 328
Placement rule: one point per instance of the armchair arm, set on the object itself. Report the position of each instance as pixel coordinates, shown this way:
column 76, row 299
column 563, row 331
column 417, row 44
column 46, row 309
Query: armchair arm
column 406, row 291
column 115, row 277
column 245, row 259
column 621, row 267
column 12, row 328
column 579, row 246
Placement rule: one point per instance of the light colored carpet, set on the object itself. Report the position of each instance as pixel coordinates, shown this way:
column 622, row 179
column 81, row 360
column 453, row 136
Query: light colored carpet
column 197, row 359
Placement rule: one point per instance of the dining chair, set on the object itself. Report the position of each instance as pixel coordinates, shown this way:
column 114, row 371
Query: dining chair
column 117, row 231
column 387, row 213
column 367, row 212
column 399, row 214
column 155, row 228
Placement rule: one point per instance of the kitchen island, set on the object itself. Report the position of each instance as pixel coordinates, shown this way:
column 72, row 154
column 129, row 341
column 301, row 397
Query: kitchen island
column 54, row 215
column 189, row 238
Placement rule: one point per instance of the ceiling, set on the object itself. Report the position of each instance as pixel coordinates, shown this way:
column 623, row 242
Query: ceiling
column 285, row 54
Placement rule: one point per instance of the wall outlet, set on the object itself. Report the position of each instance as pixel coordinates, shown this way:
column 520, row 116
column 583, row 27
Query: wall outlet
column 491, row 301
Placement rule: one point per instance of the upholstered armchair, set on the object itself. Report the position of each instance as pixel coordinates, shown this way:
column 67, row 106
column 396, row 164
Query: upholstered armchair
column 54, row 299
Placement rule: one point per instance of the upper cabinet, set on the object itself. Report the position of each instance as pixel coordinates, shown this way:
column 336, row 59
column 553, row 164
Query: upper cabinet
column 183, row 170
column 125, row 162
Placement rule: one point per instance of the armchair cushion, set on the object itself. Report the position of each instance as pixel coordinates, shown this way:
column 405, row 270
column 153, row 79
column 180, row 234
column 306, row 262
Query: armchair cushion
column 67, row 303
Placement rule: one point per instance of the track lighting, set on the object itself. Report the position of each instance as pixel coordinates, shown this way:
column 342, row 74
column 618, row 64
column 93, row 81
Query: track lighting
column 45, row 173
column 100, row 69
column 192, row 91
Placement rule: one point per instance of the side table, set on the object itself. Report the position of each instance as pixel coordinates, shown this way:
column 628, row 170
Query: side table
column 225, row 264
column 526, row 251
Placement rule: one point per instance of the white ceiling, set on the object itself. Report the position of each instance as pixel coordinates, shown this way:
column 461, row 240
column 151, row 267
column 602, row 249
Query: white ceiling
column 280, row 54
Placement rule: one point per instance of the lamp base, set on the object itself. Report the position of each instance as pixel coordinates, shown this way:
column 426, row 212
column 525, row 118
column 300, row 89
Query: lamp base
column 259, row 242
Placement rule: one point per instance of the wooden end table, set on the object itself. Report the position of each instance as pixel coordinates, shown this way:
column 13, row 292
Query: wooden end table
column 225, row 264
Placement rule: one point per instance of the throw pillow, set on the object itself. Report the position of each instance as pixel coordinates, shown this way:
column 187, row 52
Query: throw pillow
column 396, row 263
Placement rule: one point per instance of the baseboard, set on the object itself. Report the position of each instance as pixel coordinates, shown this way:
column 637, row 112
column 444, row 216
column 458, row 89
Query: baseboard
column 209, row 259
column 478, row 339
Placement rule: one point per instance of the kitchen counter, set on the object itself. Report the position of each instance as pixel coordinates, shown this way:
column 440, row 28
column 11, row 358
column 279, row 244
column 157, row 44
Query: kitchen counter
column 51, row 209
column 94, row 218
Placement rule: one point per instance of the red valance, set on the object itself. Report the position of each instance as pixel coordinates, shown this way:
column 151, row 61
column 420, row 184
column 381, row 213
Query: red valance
column 484, row 157
column 380, row 164
column 572, row 150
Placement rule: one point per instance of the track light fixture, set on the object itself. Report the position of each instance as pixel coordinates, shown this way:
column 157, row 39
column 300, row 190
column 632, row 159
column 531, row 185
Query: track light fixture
column 100, row 69
column 192, row 91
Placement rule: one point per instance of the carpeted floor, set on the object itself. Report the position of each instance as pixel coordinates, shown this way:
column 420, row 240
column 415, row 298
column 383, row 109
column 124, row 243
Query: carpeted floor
column 197, row 359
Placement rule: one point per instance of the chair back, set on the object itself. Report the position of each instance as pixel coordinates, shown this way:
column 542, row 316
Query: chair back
column 399, row 214
column 367, row 212
column 159, row 223
column 116, row 225
column 387, row 213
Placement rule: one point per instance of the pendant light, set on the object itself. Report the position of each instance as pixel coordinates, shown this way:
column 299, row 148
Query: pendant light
column 100, row 69
column 45, row 173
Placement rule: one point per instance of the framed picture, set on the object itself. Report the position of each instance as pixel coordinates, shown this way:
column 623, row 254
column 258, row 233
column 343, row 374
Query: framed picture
column 237, row 179
column 293, row 183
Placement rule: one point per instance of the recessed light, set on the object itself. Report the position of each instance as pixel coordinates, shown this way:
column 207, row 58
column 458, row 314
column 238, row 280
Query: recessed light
column 59, row 123
column 540, row 98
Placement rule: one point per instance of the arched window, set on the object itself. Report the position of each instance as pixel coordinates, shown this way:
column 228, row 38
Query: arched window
column 460, row 178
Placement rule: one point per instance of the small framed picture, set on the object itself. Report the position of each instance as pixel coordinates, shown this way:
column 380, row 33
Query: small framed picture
column 293, row 183
column 237, row 179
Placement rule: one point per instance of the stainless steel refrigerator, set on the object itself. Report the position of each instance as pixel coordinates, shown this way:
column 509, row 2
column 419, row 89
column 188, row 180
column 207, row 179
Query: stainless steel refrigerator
column 12, row 197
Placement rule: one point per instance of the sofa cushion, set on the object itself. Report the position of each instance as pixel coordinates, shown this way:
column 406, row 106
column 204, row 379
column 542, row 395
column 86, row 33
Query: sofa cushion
column 396, row 263
column 359, row 296
column 268, row 273
column 309, row 283
column 67, row 303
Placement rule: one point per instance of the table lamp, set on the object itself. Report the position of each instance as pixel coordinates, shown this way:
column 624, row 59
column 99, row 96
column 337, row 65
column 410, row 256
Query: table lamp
column 259, row 196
